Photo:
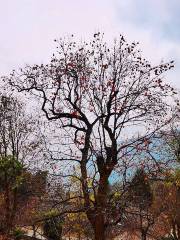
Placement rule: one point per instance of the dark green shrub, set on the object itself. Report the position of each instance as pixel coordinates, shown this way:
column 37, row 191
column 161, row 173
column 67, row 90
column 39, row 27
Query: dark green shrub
column 53, row 226
column 18, row 233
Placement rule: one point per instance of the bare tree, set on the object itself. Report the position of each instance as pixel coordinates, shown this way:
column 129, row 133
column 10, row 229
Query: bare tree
column 109, row 102
column 18, row 131
column 19, row 145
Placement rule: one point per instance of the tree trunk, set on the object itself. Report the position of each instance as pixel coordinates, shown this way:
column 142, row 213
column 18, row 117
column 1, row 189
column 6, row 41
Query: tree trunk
column 178, row 231
column 34, row 232
column 7, row 208
column 174, row 231
column 96, row 216
column 99, row 228
column 100, row 212
column 143, row 235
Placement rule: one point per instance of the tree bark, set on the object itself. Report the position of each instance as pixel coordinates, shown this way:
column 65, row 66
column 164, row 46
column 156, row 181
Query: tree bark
column 99, row 228
column 174, row 231
column 178, row 231
column 7, row 207
column 143, row 235
column 100, row 224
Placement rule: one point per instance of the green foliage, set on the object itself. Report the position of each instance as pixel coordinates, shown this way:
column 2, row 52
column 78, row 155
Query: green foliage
column 50, row 214
column 10, row 172
column 140, row 190
column 18, row 233
column 52, row 225
column 174, row 178
column 174, row 145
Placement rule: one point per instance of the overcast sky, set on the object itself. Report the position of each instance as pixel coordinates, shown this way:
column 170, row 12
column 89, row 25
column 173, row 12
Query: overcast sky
column 28, row 28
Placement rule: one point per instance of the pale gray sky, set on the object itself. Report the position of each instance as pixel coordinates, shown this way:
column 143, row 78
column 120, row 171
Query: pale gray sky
column 28, row 28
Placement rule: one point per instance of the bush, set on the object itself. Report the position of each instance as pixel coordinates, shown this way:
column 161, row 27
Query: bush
column 167, row 238
column 53, row 226
column 18, row 233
